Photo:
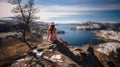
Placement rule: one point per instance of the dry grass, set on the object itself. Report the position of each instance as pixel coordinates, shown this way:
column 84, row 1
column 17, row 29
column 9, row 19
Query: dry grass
column 101, row 58
column 10, row 53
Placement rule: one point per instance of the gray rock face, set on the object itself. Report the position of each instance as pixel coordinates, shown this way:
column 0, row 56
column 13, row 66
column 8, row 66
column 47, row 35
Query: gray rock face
column 114, row 58
column 65, row 50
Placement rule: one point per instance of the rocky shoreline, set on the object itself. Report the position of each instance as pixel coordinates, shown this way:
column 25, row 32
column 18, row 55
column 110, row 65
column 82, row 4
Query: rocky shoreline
column 96, row 26
column 56, row 54
column 109, row 33
column 60, row 55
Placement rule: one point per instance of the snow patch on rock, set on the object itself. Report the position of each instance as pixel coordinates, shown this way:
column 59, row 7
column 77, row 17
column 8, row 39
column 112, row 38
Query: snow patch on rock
column 106, row 48
column 56, row 58
column 23, row 59
column 109, row 34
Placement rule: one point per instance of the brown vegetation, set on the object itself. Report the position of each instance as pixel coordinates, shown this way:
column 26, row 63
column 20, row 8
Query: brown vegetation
column 9, row 54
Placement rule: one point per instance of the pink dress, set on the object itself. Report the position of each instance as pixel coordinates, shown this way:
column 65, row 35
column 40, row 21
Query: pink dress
column 52, row 37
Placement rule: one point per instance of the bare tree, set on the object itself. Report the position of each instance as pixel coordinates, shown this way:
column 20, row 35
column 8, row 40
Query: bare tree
column 26, row 14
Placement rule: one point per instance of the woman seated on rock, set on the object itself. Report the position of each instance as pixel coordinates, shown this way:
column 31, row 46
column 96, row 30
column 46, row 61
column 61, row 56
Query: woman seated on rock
column 52, row 34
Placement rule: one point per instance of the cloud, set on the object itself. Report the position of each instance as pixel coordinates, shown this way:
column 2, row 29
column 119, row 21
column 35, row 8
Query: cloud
column 44, row 16
column 65, row 21
column 52, row 11
column 111, row 7
column 59, row 11
column 3, row 0
column 5, row 9
column 78, row 8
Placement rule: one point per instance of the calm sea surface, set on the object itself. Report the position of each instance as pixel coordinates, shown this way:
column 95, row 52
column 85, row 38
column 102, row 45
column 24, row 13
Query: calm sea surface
column 76, row 37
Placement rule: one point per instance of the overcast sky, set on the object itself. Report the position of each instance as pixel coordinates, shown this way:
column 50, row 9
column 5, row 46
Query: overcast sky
column 71, row 11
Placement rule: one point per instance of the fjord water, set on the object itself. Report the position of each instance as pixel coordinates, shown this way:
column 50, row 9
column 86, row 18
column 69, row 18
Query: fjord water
column 76, row 37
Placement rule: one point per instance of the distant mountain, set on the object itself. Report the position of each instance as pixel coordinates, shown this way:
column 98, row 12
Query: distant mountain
column 8, row 20
column 97, row 26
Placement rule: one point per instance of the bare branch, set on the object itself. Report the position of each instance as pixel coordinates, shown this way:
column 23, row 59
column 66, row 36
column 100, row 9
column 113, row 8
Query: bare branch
column 25, row 12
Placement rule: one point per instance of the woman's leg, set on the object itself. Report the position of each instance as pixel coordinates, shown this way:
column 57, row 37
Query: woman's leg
column 61, row 40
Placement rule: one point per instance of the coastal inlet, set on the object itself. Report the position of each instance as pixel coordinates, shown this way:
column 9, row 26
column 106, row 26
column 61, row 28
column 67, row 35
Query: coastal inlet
column 76, row 37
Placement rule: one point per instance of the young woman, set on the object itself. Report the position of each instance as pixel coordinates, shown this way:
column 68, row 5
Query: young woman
column 52, row 34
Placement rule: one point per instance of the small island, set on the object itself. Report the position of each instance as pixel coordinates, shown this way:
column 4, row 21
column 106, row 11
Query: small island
column 61, row 32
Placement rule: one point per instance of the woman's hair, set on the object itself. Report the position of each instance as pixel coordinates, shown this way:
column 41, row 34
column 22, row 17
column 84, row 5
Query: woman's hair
column 51, row 29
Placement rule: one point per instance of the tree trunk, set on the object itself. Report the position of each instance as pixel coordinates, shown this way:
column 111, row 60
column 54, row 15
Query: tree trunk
column 24, row 35
column 24, row 32
column 0, row 41
column 28, row 44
